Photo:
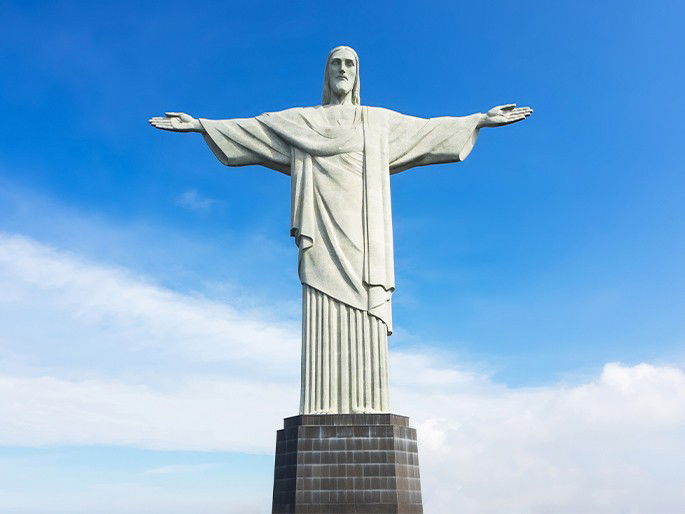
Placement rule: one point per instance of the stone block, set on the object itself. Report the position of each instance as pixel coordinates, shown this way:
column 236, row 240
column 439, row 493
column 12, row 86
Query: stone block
column 347, row 463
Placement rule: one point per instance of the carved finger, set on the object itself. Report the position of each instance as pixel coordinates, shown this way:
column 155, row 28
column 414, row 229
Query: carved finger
column 173, row 114
column 506, row 107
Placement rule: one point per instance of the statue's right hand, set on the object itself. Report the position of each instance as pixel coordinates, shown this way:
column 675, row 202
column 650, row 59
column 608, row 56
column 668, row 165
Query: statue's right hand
column 176, row 122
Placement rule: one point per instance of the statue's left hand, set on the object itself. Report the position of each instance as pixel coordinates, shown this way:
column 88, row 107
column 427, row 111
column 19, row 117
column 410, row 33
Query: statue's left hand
column 176, row 122
column 504, row 115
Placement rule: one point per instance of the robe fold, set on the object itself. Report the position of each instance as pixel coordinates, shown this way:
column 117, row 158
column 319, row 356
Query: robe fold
column 342, row 224
column 340, row 189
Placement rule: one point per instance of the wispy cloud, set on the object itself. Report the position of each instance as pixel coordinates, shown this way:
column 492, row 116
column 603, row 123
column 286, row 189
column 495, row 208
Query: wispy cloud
column 133, row 498
column 193, row 200
column 177, row 468
column 57, row 302
column 197, row 414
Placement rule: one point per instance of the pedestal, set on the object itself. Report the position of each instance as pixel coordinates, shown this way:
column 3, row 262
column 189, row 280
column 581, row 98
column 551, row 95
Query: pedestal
column 347, row 463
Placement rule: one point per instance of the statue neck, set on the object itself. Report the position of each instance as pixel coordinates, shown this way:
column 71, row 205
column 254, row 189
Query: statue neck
column 344, row 99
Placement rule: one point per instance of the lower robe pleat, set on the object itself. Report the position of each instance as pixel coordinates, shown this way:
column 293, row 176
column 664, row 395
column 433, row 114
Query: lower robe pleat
column 344, row 358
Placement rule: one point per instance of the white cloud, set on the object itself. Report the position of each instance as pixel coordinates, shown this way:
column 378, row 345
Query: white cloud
column 193, row 200
column 613, row 443
column 57, row 304
column 198, row 414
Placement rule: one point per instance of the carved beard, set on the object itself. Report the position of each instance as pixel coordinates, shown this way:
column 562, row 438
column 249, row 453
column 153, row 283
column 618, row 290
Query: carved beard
column 341, row 87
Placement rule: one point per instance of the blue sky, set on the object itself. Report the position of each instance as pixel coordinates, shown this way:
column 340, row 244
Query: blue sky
column 555, row 250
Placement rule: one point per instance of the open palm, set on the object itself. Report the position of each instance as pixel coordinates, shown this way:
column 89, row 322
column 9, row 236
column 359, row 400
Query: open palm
column 505, row 115
column 176, row 122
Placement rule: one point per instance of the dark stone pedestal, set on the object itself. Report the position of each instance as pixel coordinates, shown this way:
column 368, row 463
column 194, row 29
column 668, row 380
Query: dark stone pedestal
column 347, row 463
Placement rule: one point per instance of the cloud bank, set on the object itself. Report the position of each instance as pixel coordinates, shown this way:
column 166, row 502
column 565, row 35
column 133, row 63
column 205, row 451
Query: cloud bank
column 97, row 355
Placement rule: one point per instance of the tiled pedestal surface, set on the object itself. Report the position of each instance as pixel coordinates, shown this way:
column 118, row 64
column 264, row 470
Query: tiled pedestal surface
column 347, row 463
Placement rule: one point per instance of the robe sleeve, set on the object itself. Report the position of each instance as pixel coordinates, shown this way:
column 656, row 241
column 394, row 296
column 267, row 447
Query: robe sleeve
column 245, row 141
column 418, row 141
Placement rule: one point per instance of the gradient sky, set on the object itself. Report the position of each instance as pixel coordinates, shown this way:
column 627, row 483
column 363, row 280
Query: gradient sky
column 555, row 249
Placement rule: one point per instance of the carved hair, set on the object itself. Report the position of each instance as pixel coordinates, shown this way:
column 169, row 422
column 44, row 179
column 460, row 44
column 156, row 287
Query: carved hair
column 326, row 85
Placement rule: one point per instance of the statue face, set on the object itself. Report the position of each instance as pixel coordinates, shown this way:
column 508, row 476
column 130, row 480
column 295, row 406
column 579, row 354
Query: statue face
column 342, row 71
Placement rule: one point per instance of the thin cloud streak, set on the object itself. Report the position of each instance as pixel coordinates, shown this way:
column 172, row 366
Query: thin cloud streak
column 194, row 201
column 177, row 468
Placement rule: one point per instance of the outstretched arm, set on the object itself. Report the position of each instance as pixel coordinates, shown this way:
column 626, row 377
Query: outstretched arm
column 504, row 115
column 177, row 122
column 418, row 141
column 236, row 142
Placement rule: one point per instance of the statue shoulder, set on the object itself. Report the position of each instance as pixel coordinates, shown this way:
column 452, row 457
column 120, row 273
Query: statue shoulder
column 296, row 113
column 379, row 110
column 382, row 115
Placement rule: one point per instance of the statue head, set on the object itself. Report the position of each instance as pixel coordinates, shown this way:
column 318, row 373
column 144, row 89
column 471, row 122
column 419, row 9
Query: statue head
column 342, row 75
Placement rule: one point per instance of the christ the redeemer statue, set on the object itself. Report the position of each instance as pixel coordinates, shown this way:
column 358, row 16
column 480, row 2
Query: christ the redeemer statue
column 340, row 156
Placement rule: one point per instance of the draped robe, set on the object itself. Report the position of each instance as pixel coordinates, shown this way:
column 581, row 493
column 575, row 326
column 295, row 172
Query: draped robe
column 342, row 224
